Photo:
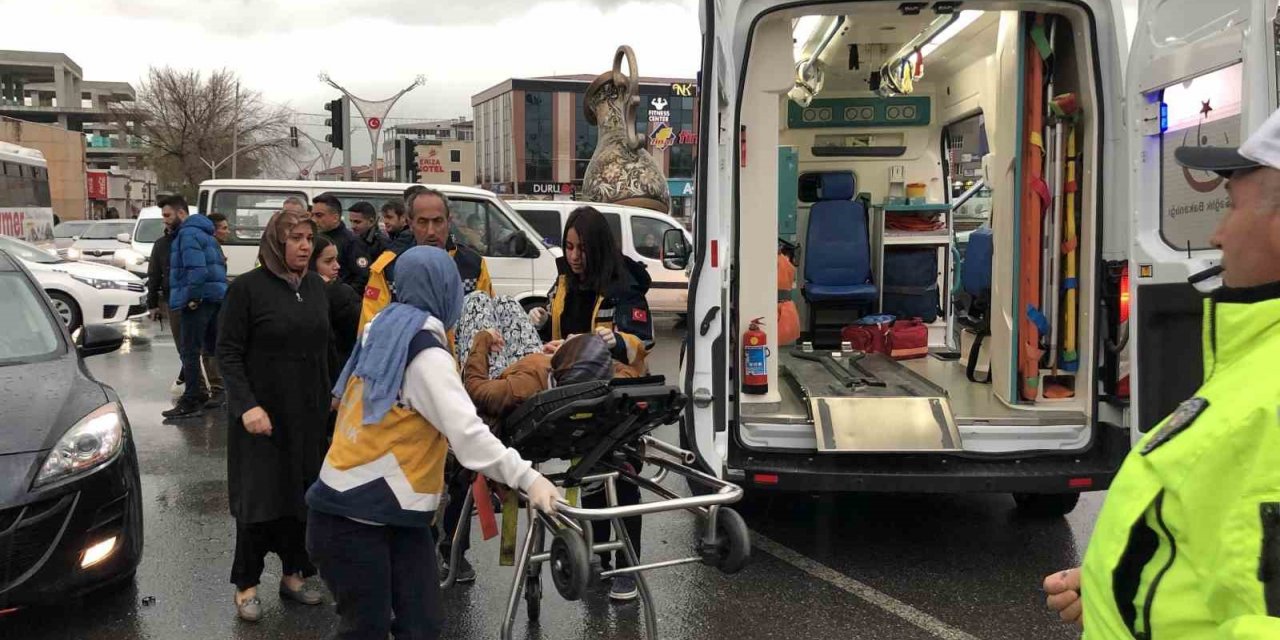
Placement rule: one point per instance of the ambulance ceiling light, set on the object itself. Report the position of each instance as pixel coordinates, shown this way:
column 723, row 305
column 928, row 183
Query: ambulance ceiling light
column 962, row 22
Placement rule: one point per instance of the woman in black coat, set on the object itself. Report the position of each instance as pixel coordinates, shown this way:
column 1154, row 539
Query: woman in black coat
column 272, row 345
column 344, row 305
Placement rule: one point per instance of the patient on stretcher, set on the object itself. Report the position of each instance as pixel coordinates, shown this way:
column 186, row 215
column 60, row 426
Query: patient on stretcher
column 580, row 358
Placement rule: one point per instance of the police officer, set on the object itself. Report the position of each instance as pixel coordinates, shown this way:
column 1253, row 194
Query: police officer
column 326, row 210
column 364, row 223
column 1188, row 542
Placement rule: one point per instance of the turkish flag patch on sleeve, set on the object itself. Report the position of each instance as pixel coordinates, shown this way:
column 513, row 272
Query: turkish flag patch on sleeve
column 639, row 315
column 371, row 293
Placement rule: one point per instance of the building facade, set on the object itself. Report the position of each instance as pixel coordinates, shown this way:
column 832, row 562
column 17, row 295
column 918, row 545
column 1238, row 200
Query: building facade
column 399, row 144
column 445, row 162
column 533, row 139
column 49, row 88
column 64, row 152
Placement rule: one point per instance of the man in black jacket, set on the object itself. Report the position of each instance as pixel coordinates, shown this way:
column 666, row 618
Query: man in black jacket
column 326, row 211
column 399, row 233
column 364, row 223
column 158, row 281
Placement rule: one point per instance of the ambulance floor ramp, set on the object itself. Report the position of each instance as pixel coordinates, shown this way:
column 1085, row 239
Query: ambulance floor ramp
column 870, row 403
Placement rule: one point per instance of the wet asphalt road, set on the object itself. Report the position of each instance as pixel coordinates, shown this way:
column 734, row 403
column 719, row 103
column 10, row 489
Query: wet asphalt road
column 847, row 566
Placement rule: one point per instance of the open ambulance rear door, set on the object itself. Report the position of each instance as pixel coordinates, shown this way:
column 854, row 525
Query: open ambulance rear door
column 1199, row 73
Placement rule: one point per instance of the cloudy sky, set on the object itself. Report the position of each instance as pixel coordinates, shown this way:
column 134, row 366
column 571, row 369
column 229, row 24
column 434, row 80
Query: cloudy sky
column 372, row 47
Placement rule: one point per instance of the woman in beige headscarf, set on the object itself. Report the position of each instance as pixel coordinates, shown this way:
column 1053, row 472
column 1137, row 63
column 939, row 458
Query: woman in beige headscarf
column 272, row 348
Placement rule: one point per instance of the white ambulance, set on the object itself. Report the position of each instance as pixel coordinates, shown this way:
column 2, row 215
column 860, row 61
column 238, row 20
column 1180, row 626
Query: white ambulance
column 882, row 136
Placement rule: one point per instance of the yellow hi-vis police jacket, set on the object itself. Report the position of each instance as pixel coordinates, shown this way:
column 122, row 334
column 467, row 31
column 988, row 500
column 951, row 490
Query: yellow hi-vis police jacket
column 1188, row 542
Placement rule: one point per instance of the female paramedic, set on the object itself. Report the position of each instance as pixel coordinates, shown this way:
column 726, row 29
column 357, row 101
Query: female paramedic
column 601, row 291
column 369, row 527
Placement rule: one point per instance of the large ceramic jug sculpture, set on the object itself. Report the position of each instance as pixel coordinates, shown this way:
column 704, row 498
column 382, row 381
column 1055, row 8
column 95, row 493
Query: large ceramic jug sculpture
column 621, row 170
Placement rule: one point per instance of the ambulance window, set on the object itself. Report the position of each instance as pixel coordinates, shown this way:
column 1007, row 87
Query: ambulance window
column 1203, row 111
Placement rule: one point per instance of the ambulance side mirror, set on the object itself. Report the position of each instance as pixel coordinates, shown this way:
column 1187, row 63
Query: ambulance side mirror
column 675, row 250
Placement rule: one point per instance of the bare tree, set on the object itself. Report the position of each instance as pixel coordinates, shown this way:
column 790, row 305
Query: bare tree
column 188, row 118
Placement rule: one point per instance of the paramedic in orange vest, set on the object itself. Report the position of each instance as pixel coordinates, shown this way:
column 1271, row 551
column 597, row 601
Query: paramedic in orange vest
column 601, row 291
column 369, row 525
column 429, row 217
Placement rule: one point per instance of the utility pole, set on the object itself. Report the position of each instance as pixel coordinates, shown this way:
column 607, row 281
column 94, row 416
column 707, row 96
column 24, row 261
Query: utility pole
column 373, row 112
column 346, row 148
column 235, row 131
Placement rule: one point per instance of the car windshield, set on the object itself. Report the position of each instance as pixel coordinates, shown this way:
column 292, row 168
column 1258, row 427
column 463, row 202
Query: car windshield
column 28, row 252
column 149, row 230
column 107, row 230
column 29, row 332
column 70, row 229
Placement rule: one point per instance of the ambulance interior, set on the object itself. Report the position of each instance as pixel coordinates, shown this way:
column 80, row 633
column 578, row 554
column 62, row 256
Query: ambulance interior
column 881, row 138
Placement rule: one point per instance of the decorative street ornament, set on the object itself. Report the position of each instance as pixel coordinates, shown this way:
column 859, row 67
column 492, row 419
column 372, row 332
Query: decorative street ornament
column 621, row 170
column 374, row 112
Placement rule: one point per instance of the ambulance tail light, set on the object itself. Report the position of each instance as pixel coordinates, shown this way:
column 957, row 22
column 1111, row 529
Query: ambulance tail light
column 1124, row 294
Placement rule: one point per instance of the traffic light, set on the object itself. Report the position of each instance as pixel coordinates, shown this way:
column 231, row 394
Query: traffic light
column 337, row 122
column 293, row 137
column 409, row 158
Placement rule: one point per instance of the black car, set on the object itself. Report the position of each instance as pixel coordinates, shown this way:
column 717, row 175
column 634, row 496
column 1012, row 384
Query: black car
column 70, row 494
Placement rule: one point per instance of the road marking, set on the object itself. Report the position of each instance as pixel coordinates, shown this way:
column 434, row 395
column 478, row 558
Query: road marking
column 861, row 590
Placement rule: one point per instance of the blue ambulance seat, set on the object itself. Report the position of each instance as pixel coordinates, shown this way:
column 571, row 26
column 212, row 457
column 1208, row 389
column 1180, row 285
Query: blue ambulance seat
column 837, row 266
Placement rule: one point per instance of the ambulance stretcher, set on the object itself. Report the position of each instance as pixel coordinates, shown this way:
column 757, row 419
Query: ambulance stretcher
column 602, row 428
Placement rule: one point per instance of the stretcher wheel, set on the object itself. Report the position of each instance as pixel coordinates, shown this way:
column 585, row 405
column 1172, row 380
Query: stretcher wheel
column 732, row 545
column 570, row 565
column 533, row 597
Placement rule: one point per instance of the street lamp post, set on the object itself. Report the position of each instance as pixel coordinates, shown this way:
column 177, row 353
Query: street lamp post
column 373, row 112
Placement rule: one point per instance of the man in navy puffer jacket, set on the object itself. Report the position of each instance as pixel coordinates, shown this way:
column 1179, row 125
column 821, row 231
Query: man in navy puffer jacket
column 197, row 286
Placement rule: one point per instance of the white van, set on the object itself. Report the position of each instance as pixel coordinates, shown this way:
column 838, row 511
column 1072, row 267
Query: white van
column 639, row 233
column 887, row 100
column 249, row 205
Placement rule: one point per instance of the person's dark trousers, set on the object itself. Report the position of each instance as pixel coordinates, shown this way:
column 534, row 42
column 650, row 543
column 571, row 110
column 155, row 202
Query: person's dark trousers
column 602, row 530
column 459, row 481
column 174, row 318
column 384, row 579
column 285, row 537
column 199, row 334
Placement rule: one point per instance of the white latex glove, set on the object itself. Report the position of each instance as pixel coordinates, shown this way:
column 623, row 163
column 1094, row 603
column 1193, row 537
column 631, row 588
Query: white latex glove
column 538, row 316
column 610, row 339
column 543, row 495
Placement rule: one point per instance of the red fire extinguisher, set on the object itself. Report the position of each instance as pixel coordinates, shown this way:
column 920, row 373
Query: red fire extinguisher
column 755, row 359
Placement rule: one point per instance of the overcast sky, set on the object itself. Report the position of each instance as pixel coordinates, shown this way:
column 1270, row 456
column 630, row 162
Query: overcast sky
column 372, row 47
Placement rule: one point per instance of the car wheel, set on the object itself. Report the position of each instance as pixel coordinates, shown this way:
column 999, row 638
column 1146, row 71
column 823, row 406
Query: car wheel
column 67, row 309
column 1046, row 505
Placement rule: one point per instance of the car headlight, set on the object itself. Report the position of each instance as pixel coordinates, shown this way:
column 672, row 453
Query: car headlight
column 94, row 440
column 99, row 283
column 73, row 253
column 129, row 258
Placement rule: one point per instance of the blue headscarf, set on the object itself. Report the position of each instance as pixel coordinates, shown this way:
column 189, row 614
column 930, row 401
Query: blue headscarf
column 427, row 285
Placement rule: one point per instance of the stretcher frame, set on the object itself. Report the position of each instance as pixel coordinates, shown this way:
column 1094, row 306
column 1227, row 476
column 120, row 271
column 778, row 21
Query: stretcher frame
column 576, row 523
